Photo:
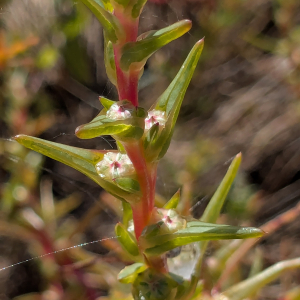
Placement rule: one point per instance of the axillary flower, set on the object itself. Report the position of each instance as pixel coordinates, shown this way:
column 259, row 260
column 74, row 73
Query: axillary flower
column 172, row 219
column 154, row 117
column 115, row 165
column 120, row 110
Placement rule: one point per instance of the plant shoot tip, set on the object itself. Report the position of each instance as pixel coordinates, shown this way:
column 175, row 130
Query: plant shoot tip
column 16, row 137
column 77, row 131
column 201, row 41
column 239, row 155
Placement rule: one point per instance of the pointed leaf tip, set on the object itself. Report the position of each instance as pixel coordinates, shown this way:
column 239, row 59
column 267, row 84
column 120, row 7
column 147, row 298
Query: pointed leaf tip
column 18, row 137
column 109, row 22
column 173, row 202
column 83, row 160
column 138, row 52
column 201, row 41
column 197, row 231
column 170, row 102
column 216, row 203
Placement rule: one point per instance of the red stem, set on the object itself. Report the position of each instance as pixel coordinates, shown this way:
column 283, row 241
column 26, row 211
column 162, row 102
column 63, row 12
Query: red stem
column 146, row 174
column 140, row 217
column 127, row 84
column 133, row 81
column 127, row 81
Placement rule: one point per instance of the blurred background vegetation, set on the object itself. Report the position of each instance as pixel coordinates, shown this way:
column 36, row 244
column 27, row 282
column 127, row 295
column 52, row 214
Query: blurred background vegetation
column 245, row 96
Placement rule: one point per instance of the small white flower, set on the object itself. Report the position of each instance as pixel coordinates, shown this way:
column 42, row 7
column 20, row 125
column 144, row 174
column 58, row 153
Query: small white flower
column 171, row 218
column 114, row 165
column 120, row 111
column 155, row 116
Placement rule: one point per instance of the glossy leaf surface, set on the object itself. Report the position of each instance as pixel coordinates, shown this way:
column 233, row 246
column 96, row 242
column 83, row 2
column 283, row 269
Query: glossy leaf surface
column 198, row 231
column 139, row 51
column 80, row 159
column 170, row 101
column 101, row 125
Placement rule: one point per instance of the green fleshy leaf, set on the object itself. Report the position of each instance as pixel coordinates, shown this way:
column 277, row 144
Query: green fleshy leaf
column 82, row 160
column 127, row 213
column 151, row 135
column 170, row 102
column 109, row 61
column 216, row 203
column 128, row 274
column 128, row 184
column 122, row 120
column 173, row 95
column 127, row 240
column 106, row 102
column 213, row 210
column 195, row 232
column 154, row 230
column 173, row 202
column 137, row 8
column 139, row 51
column 109, row 22
column 120, row 129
